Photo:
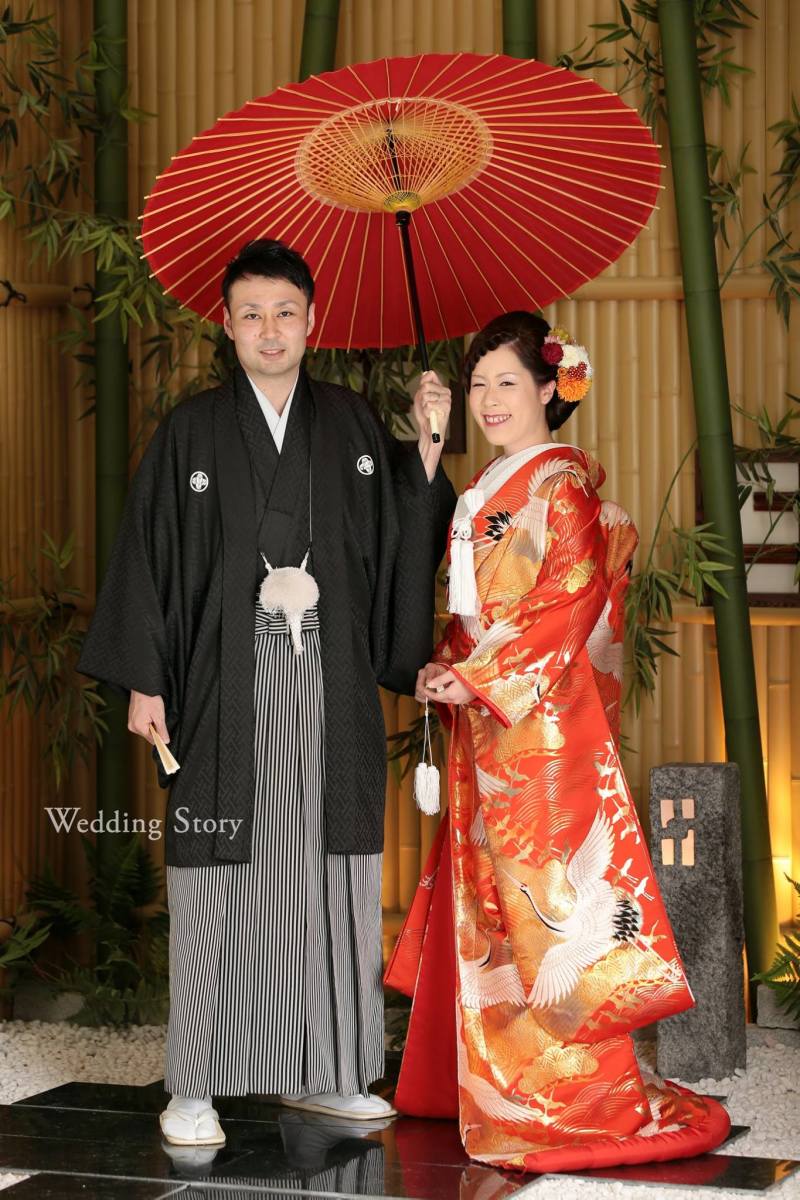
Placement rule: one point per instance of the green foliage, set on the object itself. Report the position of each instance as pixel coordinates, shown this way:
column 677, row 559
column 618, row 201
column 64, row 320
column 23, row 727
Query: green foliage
column 27, row 935
column 783, row 976
column 386, row 377
column 635, row 47
column 725, row 183
column 781, row 259
column 788, row 132
column 690, row 561
column 36, row 89
column 780, row 262
column 128, row 983
column 42, row 643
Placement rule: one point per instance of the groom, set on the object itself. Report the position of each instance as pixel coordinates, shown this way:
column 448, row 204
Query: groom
column 273, row 467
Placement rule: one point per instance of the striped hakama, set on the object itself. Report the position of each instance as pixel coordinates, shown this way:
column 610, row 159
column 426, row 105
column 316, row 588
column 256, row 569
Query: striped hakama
column 276, row 964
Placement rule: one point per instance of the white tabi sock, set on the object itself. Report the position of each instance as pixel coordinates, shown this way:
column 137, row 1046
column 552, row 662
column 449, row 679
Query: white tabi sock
column 189, row 1105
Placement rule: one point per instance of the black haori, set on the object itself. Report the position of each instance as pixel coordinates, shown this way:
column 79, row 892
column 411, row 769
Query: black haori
column 175, row 614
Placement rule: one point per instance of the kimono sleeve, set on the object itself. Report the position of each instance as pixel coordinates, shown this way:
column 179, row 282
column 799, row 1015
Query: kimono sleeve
column 444, row 653
column 126, row 645
column 422, row 510
column 443, row 650
column 526, row 651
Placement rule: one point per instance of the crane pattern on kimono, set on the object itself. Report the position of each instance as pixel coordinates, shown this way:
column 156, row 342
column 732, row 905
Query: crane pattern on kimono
column 604, row 913
column 611, row 788
column 492, row 979
column 602, row 916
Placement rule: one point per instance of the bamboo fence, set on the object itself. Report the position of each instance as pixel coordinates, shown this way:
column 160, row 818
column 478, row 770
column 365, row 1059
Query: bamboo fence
column 191, row 60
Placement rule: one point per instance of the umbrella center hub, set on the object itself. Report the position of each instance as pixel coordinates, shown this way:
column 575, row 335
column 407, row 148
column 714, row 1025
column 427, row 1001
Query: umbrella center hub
column 393, row 154
column 402, row 201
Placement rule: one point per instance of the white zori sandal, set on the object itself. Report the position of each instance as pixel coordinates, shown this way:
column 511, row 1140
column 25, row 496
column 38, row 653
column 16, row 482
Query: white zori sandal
column 355, row 1108
column 191, row 1123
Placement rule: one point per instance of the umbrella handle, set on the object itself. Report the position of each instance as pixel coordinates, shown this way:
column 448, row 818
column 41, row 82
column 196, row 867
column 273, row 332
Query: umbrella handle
column 403, row 219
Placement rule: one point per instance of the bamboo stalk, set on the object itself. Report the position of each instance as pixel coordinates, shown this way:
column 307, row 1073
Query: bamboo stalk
column 779, row 759
column 707, row 354
column 714, row 749
column 320, row 28
column 423, row 26
column 145, row 161
column 403, row 31
column 166, row 50
column 111, row 417
column 243, row 50
column 184, row 72
column 224, row 65
column 443, row 27
column 265, row 25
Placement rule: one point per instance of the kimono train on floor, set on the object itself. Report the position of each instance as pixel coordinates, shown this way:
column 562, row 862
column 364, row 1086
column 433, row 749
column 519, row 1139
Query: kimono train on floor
column 275, row 964
column 538, row 939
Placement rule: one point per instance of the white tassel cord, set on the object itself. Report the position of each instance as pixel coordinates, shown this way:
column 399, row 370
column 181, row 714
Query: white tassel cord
column 462, row 596
column 426, row 776
column 292, row 591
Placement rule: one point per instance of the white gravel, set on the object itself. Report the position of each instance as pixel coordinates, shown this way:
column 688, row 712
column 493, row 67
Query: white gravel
column 37, row 1055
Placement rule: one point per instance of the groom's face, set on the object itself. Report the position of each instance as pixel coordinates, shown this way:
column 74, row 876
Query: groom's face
column 269, row 321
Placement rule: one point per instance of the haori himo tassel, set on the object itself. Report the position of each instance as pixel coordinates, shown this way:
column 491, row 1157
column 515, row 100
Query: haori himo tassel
column 291, row 591
column 426, row 776
column 462, row 596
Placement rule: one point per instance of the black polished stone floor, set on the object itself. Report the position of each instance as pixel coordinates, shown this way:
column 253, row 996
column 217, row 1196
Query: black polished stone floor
column 103, row 1141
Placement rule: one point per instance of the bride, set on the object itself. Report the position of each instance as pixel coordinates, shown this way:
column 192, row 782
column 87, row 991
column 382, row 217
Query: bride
column 538, row 940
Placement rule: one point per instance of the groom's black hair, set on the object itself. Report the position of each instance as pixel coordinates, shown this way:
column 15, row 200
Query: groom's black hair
column 270, row 260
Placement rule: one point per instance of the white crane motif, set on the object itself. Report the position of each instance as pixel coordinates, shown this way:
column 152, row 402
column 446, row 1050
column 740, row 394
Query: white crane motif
column 602, row 917
column 493, row 979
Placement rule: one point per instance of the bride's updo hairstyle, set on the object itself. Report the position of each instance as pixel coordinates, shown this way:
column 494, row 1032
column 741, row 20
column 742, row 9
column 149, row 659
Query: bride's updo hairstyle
column 524, row 332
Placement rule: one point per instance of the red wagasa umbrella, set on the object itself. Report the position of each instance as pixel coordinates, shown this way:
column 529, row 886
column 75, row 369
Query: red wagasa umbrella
column 430, row 192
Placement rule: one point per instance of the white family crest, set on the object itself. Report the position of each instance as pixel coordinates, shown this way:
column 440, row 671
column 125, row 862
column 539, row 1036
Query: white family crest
column 365, row 465
column 199, row 481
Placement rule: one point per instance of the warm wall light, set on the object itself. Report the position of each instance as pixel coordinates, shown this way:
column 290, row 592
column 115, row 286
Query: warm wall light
column 687, row 812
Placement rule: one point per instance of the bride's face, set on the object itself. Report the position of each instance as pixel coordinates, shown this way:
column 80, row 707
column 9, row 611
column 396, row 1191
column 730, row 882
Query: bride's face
column 507, row 402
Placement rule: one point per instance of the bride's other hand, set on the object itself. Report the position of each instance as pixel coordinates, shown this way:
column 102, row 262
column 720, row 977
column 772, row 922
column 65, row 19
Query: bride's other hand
column 447, row 688
column 430, row 671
